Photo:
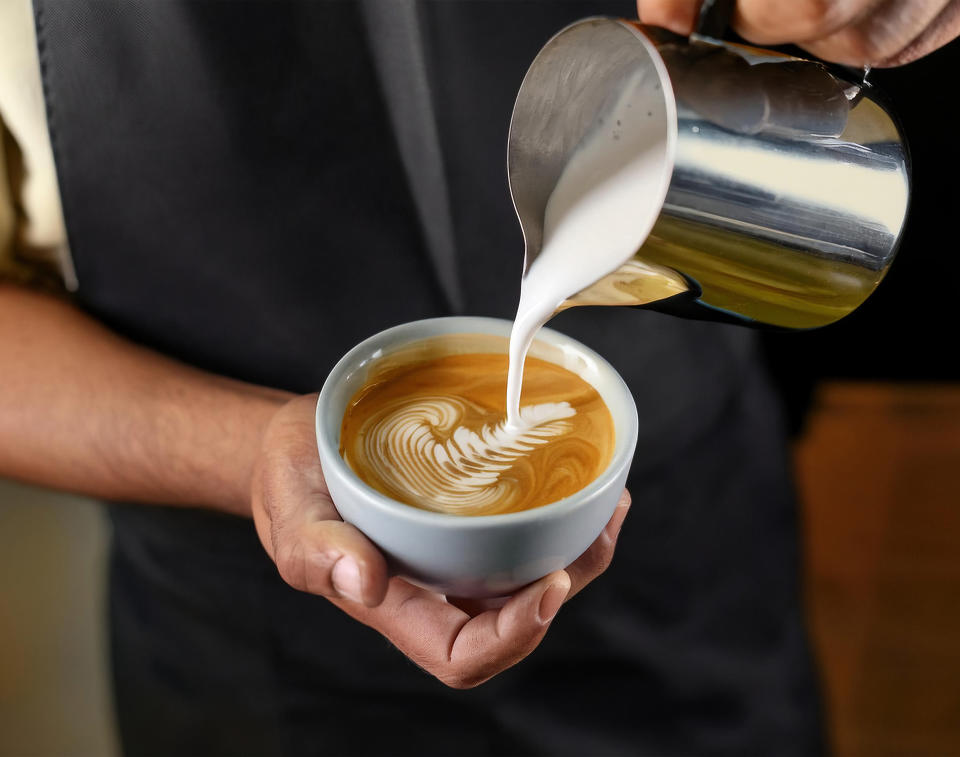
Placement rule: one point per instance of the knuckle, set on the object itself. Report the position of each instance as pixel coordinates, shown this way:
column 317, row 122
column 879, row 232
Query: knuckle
column 816, row 14
column 306, row 569
column 670, row 13
column 461, row 680
column 598, row 558
column 292, row 565
column 270, row 488
column 651, row 10
column 466, row 674
column 603, row 559
column 863, row 47
column 805, row 20
column 855, row 47
column 810, row 17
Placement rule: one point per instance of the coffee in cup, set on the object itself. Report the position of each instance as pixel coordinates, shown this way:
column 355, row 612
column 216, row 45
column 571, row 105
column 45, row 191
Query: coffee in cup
column 429, row 429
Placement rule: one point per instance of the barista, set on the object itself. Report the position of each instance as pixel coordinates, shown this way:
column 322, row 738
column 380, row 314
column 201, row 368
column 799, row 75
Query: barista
column 228, row 214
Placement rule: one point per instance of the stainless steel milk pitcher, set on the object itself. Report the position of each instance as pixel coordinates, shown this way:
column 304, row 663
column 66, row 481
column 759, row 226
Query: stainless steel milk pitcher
column 785, row 185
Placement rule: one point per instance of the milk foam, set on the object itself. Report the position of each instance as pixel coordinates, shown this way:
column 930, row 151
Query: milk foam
column 422, row 449
column 599, row 214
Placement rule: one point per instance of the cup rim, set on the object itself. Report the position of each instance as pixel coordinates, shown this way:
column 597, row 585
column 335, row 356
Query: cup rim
column 329, row 453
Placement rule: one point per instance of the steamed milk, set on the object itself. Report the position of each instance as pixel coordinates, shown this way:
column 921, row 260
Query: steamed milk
column 599, row 213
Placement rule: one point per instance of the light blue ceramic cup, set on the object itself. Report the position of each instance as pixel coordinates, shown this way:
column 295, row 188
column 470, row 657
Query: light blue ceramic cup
column 487, row 555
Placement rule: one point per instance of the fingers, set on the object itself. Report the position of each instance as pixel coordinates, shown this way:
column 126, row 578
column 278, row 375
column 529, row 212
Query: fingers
column 894, row 33
column 582, row 571
column 854, row 32
column 464, row 651
column 764, row 21
column 773, row 22
column 459, row 650
column 316, row 551
column 498, row 639
column 943, row 29
column 597, row 558
column 678, row 16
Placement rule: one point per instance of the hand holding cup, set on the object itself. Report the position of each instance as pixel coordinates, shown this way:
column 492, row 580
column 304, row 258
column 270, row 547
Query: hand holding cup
column 315, row 551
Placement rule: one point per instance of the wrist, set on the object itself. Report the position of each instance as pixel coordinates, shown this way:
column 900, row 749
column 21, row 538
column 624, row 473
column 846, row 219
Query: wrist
column 253, row 413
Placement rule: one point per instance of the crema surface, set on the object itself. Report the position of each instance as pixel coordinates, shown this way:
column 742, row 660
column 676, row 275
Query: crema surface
column 433, row 434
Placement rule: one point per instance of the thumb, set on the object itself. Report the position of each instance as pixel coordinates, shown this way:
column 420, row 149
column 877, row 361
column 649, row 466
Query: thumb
column 313, row 549
column 333, row 559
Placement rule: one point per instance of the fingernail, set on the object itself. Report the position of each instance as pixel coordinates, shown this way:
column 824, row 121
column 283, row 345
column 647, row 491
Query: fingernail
column 551, row 601
column 346, row 579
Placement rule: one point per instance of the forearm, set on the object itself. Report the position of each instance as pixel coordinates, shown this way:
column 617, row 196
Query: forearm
column 84, row 410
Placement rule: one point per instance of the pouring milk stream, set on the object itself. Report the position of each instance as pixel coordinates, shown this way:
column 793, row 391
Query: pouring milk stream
column 603, row 206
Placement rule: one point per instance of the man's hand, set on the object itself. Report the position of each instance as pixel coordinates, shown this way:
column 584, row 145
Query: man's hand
column 854, row 32
column 315, row 551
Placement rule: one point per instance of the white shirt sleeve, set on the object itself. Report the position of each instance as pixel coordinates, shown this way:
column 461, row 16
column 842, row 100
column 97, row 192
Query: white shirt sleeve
column 37, row 232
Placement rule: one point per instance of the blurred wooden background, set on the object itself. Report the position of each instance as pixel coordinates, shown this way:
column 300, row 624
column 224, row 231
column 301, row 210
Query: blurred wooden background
column 879, row 473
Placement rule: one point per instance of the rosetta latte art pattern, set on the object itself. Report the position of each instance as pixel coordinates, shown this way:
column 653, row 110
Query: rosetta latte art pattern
column 431, row 431
column 422, row 450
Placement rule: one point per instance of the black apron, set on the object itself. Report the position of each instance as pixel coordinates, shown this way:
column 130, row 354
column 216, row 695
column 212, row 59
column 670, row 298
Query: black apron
column 237, row 192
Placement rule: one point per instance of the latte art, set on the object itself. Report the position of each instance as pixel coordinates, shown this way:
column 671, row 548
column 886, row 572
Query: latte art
column 431, row 431
column 422, row 449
